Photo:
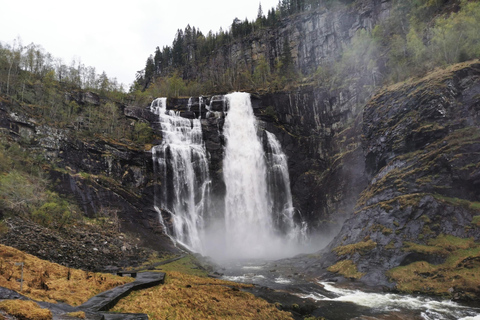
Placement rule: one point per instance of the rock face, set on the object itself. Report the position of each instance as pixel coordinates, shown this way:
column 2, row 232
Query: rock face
column 422, row 148
column 320, row 133
column 106, row 178
column 314, row 38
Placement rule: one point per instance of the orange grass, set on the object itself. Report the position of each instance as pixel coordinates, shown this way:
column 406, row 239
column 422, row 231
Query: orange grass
column 460, row 271
column 23, row 309
column 186, row 296
column 46, row 281
column 346, row 268
column 78, row 314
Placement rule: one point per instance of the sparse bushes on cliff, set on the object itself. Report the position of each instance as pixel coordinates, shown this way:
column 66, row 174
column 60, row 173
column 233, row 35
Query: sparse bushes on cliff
column 28, row 195
column 24, row 189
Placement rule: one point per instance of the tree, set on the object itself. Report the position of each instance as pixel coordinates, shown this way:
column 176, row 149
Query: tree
column 178, row 50
column 261, row 72
column 149, row 71
column 103, row 83
column 287, row 67
column 176, row 85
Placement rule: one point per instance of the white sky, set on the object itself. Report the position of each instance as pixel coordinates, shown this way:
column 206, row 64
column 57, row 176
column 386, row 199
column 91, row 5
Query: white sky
column 115, row 36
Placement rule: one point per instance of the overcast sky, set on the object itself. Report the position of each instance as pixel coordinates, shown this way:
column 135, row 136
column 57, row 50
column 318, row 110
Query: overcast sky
column 115, row 36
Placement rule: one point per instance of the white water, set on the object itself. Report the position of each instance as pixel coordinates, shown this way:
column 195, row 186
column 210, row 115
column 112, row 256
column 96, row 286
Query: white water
column 182, row 164
column 279, row 193
column 429, row 309
column 258, row 221
column 257, row 225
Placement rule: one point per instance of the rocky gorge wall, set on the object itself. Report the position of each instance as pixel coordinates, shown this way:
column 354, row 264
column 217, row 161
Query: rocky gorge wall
column 415, row 223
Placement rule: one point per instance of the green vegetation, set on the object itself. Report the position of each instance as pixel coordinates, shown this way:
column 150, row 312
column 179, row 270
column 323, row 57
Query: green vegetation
column 417, row 37
column 186, row 265
column 34, row 199
column 346, row 268
column 471, row 205
column 67, row 97
column 476, row 221
column 24, row 66
column 459, row 272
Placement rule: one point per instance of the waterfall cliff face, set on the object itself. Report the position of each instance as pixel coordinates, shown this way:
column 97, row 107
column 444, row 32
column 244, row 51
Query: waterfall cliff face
column 258, row 216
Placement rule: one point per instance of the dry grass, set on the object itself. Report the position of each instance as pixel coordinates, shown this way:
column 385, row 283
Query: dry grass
column 360, row 247
column 460, row 271
column 185, row 296
column 347, row 269
column 25, row 310
column 51, row 282
column 78, row 314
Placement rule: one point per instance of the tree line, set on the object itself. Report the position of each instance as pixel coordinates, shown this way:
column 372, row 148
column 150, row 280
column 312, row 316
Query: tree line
column 418, row 36
column 191, row 49
column 46, row 88
column 22, row 65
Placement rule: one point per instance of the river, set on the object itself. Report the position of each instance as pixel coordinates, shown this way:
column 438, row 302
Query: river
column 280, row 281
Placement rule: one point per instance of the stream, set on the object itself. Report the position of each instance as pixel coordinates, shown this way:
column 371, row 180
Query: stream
column 277, row 281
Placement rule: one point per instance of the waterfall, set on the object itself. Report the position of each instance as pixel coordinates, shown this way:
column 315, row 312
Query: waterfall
column 280, row 195
column 258, row 219
column 258, row 203
column 248, row 221
column 182, row 164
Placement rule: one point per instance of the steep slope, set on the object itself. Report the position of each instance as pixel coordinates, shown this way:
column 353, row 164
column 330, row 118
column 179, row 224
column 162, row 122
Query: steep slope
column 108, row 219
column 416, row 223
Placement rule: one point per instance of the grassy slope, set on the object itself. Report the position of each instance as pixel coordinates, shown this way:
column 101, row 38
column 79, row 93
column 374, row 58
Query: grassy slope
column 187, row 294
column 51, row 282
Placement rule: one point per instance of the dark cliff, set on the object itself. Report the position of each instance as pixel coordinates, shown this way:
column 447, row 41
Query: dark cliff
column 415, row 225
column 110, row 182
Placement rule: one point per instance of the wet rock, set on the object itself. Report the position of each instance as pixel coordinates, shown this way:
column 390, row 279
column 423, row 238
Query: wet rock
column 419, row 141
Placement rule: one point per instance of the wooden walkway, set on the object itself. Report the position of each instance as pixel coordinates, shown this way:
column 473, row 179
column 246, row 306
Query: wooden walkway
column 108, row 299
column 95, row 308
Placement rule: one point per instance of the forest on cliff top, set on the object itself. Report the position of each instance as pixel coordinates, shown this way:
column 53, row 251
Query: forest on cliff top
column 415, row 38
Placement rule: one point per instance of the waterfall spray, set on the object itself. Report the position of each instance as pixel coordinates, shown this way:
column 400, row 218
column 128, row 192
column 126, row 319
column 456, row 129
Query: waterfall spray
column 258, row 221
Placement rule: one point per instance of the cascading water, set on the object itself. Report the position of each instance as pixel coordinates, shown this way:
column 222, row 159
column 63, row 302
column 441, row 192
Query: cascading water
column 258, row 221
column 280, row 195
column 181, row 162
